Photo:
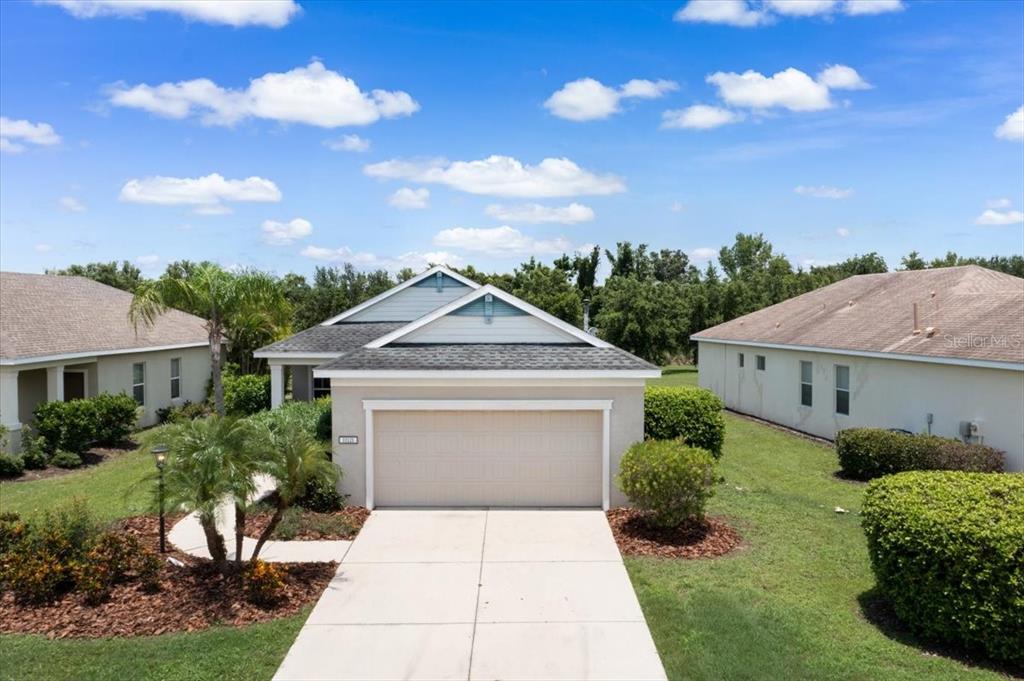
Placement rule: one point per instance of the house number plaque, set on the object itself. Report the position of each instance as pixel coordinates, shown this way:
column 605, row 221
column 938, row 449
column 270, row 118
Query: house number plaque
column 348, row 439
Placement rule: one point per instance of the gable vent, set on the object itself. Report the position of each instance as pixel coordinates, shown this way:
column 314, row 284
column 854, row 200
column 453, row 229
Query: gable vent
column 488, row 308
column 439, row 281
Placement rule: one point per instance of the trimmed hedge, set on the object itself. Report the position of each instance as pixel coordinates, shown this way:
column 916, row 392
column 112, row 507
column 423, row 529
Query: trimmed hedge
column 693, row 414
column 73, row 426
column 947, row 549
column 866, row 453
column 668, row 479
column 246, row 394
column 313, row 415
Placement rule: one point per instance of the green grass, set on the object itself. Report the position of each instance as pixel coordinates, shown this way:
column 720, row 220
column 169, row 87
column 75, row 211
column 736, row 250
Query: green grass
column 787, row 605
column 677, row 375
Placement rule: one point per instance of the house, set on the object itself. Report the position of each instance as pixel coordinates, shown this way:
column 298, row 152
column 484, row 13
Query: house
column 448, row 393
column 63, row 338
column 938, row 351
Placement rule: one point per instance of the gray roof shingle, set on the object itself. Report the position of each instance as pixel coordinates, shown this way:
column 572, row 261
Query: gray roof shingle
column 338, row 338
column 976, row 314
column 46, row 314
column 483, row 357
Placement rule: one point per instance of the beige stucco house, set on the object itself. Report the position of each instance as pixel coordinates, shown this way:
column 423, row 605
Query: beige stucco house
column 63, row 338
column 939, row 351
column 448, row 393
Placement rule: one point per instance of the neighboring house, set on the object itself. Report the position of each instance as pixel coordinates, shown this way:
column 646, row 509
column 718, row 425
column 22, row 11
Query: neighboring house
column 936, row 350
column 63, row 338
column 448, row 393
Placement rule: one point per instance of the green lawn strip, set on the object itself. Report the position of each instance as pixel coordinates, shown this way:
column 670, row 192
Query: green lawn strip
column 220, row 654
column 786, row 605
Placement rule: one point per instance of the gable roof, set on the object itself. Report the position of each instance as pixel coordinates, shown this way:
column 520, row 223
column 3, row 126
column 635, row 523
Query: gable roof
column 396, row 289
column 48, row 315
column 976, row 315
column 579, row 334
column 328, row 341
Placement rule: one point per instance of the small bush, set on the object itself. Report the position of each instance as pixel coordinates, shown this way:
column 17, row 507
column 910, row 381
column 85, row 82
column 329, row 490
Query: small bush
column 866, row 453
column 693, row 414
column 312, row 416
column 947, row 549
column 290, row 524
column 668, row 479
column 48, row 422
column 105, row 419
column 35, row 577
column 12, row 531
column 246, row 394
column 148, row 571
column 188, row 411
column 80, row 425
column 116, row 416
column 264, row 583
column 65, row 459
column 11, row 465
column 321, row 497
column 33, row 452
column 324, row 424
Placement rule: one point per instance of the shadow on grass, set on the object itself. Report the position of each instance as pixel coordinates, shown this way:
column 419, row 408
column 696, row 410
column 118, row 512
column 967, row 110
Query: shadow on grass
column 678, row 369
column 877, row 610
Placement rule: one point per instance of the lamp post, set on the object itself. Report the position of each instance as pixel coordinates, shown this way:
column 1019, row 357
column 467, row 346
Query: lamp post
column 160, row 453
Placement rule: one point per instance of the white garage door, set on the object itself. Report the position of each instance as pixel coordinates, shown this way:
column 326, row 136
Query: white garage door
column 487, row 458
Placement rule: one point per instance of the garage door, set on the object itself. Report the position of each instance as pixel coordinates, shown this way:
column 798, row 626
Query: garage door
column 487, row 458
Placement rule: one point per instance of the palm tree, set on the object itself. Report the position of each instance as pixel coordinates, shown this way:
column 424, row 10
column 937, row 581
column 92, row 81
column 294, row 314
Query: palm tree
column 208, row 461
column 225, row 299
column 296, row 459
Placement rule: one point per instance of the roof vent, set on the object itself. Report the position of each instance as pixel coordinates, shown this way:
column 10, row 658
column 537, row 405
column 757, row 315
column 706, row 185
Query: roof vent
column 917, row 328
column 933, row 294
column 488, row 308
column 439, row 281
column 849, row 303
column 930, row 331
column 778, row 324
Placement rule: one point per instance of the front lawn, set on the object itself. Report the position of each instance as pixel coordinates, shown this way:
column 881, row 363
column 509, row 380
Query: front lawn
column 788, row 604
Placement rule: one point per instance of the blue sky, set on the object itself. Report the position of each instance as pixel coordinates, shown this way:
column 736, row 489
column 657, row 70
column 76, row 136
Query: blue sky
column 160, row 135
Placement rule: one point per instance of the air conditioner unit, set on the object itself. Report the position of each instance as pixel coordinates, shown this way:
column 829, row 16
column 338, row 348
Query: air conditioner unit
column 970, row 429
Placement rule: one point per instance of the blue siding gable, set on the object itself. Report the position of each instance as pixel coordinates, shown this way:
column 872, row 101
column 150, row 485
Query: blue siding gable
column 499, row 309
column 446, row 282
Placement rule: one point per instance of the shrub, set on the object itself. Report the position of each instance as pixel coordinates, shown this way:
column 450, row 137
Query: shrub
column 247, row 394
column 264, row 583
column 11, row 465
column 947, row 549
column 866, row 453
column 188, row 411
column 33, row 452
column 79, row 426
column 105, row 419
column 48, row 418
column 115, row 417
column 321, row 496
column 12, row 531
column 65, row 459
column 668, row 479
column 35, row 576
column 311, row 416
column 324, row 424
column 148, row 570
column 693, row 414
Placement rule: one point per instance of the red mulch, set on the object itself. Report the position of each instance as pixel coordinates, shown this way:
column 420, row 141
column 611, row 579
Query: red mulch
column 191, row 598
column 709, row 538
column 256, row 523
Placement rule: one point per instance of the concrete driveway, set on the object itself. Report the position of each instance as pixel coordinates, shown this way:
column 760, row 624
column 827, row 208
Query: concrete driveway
column 478, row 594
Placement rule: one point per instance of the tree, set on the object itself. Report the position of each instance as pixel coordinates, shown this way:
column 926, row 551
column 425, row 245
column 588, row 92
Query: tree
column 227, row 300
column 648, row 318
column 126, row 277
column 334, row 290
column 670, row 265
column 628, row 261
column 913, row 261
column 583, row 268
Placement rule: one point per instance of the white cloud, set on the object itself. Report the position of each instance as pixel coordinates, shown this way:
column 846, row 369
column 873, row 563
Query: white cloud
column 732, row 12
column 998, row 218
column 998, row 203
column 414, row 259
column 499, row 241
column 207, row 194
column 502, row 176
column 15, row 134
column 535, row 213
column 408, row 198
column 147, row 260
column 842, row 232
column 702, row 255
column 309, row 94
column 791, row 89
column 271, row 13
column 699, row 117
column 841, row 77
column 71, row 204
column 677, row 207
column 348, row 143
column 801, row 8
column 866, row 7
column 823, row 192
column 284, row 233
column 1013, row 127
column 43, row 248
column 587, row 99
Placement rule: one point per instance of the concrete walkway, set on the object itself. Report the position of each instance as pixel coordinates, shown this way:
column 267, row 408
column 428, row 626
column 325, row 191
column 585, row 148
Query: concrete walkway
column 478, row 594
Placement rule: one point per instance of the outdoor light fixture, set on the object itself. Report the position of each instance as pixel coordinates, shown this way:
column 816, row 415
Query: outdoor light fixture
column 160, row 454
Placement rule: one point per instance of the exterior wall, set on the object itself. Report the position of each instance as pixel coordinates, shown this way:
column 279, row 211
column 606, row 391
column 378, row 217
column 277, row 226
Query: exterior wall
column 31, row 391
column 409, row 304
column 884, row 393
column 115, row 376
column 626, row 423
column 471, row 329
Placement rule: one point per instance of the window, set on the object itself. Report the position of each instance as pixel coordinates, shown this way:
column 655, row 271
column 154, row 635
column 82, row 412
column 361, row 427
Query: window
column 739, row 358
column 139, row 382
column 760, row 362
column 842, row 390
column 806, row 374
column 175, row 378
column 321, row 387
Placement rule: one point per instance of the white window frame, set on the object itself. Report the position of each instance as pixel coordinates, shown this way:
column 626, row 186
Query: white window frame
column 139, row 385
column 761, row 362
column 175, row 379
column 809, row 384
column 845, row 390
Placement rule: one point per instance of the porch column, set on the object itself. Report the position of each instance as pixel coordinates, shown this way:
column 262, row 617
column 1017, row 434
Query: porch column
column 9, row 399
column 276, row 385
column 55, row 384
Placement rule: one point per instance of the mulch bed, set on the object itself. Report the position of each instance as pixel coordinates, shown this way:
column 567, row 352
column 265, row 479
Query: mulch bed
column 355, row 515
column 191, row 598
column 93, row 457
column 710, row 538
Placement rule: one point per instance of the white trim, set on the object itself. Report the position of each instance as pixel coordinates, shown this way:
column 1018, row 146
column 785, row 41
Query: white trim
column 369, row 458
column 92, row 354
column 487, row 373
column 606, row 466
column 500, row 295
column 298, row 356
column 956, row 361
column 401, row 287
column 406, row 382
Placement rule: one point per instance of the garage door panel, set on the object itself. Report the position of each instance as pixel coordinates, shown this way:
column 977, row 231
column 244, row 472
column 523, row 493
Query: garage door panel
column 487, row 458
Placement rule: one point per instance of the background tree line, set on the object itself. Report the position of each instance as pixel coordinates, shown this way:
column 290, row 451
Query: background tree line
column 650, row 302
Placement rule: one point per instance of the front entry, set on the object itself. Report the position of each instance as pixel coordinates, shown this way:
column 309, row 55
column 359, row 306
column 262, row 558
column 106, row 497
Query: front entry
column 74, row 385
